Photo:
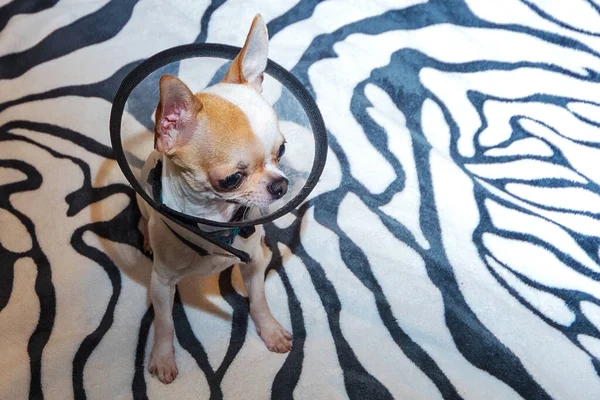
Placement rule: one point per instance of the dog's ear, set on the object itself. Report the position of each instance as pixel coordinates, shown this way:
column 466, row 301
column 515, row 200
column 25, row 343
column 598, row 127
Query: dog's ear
column 175, row 115
column 249, row 66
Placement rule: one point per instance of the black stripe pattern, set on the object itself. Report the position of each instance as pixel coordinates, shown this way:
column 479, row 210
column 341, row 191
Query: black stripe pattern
column 449, row 251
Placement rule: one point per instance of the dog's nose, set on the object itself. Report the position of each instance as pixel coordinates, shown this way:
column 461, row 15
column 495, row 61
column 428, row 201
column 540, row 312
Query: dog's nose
column 278, row 187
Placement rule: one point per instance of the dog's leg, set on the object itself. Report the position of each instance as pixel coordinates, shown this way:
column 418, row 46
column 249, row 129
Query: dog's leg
column 162, row 359
column 143, row 224
column 270, row 330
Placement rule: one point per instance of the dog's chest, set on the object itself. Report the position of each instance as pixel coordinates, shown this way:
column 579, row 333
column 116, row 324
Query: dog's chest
column 206, row 265
column 217, row 260
column 209, row 265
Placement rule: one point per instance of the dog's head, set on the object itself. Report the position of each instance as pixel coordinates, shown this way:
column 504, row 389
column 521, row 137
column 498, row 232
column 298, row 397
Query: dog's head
column 226, row 139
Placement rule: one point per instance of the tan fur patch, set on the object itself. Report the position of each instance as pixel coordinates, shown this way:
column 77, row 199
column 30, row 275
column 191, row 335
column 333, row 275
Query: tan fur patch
column 234, row 73
column 222, row 142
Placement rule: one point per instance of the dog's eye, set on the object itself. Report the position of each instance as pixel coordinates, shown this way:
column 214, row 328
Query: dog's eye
column 232, row 181
column 281, row 151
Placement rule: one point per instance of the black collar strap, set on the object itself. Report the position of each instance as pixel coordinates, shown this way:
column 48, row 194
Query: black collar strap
column 191, row 245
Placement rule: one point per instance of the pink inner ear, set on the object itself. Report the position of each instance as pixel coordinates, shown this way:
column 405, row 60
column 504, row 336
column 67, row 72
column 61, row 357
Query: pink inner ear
column 169, row 121
column 171, row 116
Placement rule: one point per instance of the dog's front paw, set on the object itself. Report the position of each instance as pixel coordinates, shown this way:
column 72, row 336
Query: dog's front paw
column 275, row 336
column 162, row 364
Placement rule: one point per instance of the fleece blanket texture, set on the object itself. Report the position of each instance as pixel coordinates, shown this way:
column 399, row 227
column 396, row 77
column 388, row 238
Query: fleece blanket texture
column 450, row 250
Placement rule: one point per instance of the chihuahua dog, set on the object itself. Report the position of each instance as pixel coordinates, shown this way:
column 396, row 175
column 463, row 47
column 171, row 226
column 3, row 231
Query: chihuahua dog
column 219, row 150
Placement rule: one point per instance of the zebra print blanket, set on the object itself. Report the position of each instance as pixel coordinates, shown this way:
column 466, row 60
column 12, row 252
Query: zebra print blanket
column 451, row 249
